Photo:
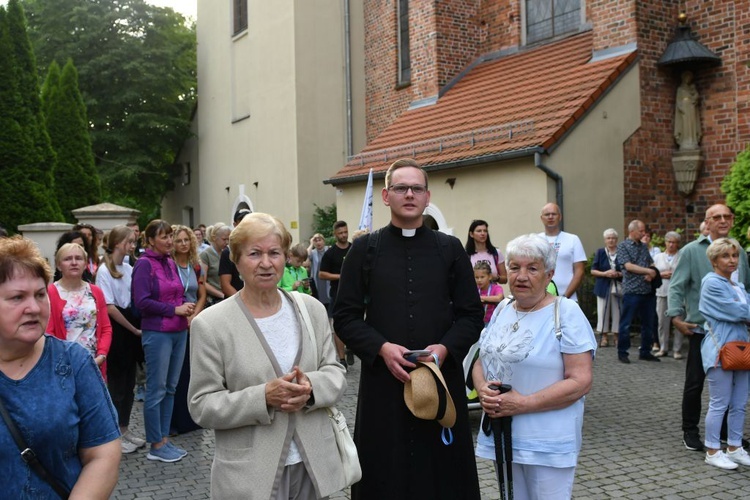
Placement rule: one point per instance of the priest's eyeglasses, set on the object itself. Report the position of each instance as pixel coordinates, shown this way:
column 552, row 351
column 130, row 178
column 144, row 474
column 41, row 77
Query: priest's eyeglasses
column 416, row 189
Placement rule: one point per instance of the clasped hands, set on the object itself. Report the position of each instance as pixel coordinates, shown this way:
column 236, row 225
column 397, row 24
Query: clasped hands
column 393, row 355
column 290, row 392
column 184, row 309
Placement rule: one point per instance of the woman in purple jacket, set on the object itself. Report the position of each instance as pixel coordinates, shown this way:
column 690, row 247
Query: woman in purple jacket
column 159, row 296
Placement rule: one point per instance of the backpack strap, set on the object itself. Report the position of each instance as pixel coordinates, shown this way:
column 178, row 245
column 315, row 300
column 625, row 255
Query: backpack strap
column 558, row 325
column 446, row 253
column 373, row 242
column 306, row 318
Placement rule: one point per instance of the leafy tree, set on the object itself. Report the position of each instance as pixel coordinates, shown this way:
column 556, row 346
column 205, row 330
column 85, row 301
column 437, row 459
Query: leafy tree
column 26, row 156
column 736, row 187
column 323, row 220
column 137, row 75
column 76, row 178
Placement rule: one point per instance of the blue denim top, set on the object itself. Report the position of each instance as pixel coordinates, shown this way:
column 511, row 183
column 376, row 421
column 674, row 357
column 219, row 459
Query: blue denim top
column 60, row 406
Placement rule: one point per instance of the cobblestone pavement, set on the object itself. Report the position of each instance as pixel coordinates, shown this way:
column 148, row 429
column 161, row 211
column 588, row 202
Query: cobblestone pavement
column 632, row 445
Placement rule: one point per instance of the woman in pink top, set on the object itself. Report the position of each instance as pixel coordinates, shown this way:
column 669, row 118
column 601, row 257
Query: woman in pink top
column 480, row 248
column 78, row 311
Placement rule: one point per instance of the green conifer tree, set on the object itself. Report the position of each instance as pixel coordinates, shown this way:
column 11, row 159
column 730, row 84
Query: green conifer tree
column 76, row 179
column 51, row 83
column 13, row 142
column 33, row 187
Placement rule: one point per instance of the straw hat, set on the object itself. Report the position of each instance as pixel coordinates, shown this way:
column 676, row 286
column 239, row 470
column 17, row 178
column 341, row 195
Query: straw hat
column 427, row 396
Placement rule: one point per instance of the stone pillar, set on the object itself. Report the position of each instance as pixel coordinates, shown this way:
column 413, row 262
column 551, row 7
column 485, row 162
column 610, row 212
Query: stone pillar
column 45, row 235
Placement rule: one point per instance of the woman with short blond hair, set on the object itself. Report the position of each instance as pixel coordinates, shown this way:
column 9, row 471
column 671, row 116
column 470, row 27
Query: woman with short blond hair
column 261, row 383
column 724, row 305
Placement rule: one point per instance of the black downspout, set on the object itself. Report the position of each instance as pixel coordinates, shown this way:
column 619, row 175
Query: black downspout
column 558, row 183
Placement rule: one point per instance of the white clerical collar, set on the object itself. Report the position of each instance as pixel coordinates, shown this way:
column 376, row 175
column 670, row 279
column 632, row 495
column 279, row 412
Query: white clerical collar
column 408, row 232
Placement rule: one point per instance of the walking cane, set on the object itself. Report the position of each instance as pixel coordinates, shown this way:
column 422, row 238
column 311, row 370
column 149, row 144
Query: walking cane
column 605, row 314
column 501, row 433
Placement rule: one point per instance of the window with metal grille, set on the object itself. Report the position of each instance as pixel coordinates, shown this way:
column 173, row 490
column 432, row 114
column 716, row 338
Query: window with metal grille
column 404, row 59
column 550, row 18
column 239, row 16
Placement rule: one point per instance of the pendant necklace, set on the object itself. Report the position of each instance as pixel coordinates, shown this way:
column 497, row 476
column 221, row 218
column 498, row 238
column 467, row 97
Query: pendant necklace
column 514, row 326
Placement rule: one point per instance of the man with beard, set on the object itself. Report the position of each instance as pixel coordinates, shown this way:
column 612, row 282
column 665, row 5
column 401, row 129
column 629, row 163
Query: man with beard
column 330, row 269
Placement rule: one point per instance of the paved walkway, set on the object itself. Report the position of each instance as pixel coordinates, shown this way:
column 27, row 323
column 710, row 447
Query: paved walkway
column 632, row 444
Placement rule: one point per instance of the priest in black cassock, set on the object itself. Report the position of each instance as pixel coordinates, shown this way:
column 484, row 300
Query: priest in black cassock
column 414, row 290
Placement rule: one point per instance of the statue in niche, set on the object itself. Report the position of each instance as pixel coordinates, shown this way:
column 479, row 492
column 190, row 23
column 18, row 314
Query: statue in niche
column 687, row 122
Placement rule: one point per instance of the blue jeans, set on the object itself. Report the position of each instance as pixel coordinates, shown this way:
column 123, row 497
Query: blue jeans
column 164, row 353
column 726, row 390
column 645, row 307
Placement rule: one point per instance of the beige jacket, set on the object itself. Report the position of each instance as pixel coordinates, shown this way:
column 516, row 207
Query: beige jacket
column 230, row 366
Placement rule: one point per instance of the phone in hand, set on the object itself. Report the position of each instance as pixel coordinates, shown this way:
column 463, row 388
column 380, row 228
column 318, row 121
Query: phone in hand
column 417, row 353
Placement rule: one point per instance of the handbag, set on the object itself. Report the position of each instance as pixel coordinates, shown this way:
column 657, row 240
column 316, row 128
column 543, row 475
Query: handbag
column 732, row 355
column 344, row 442
column 29, row 457
column 616, row 288
column 657, row 281
column 735, row 356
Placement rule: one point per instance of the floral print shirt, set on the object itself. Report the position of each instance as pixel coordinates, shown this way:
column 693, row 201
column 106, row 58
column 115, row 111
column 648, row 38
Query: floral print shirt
column 79, row 316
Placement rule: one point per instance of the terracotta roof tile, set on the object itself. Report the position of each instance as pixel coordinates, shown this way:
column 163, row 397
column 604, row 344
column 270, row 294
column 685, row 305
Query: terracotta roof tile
column 517, row 102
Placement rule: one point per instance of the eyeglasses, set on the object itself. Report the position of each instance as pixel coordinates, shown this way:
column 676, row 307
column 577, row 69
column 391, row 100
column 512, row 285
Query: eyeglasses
column 717, row 218
column 416, row 189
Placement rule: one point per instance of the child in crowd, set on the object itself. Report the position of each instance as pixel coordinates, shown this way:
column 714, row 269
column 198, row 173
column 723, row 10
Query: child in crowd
column 295, row 277
column 489, row 293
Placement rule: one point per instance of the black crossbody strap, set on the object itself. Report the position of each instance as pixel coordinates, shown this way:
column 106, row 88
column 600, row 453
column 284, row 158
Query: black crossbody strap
column 29, row 457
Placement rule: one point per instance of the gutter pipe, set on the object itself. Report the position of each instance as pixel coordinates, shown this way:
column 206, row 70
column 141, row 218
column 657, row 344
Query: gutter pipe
column 558, row 183
column 348, row 79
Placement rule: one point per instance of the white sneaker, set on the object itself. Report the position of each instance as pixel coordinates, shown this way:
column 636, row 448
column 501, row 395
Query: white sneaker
column 132, row 438
column 127, row 446
column 739, row 456
column 720, row 460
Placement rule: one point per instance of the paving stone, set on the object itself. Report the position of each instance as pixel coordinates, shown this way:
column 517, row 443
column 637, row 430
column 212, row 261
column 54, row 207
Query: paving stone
column 632, row 444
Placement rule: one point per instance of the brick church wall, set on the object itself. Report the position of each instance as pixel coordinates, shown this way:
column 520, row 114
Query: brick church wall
column 650, row 187
column 447, row 35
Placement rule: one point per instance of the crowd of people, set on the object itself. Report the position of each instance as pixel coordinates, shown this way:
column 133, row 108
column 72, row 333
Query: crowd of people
column 239, row 330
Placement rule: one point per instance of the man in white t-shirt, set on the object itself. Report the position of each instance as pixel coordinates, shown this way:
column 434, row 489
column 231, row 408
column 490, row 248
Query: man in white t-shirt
column 571, row 258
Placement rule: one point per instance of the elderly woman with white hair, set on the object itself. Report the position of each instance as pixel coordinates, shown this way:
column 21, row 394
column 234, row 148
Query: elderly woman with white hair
column 607, row 288
column 666, row 262
column 549, row 370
